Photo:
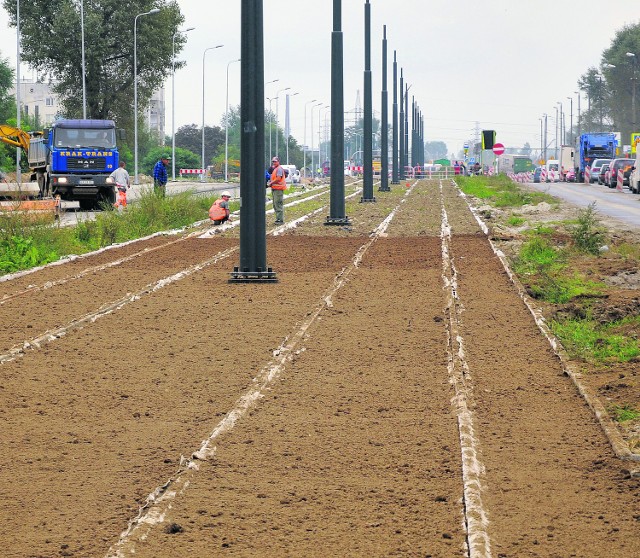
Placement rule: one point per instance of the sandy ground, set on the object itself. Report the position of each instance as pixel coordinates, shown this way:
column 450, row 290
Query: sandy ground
column 391, row 395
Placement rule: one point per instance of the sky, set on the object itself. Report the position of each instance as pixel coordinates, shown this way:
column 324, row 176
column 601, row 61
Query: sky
column 490, row 64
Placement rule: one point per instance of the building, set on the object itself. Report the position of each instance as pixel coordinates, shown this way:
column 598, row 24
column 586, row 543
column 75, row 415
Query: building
column 38, row 101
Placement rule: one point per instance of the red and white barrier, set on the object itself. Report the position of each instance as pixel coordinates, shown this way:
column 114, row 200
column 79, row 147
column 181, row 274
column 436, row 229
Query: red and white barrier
column 553, row 176
column 543, row 175
column 620, row 182
column 587, row 175
column 192, row 171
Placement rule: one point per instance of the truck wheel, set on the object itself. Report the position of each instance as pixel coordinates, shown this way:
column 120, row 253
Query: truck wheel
column 107, row 196
column 87, row 205
column 43, row 186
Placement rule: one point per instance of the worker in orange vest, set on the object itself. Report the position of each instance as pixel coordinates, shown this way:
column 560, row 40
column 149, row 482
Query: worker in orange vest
column 278, row 184
column 219, row 211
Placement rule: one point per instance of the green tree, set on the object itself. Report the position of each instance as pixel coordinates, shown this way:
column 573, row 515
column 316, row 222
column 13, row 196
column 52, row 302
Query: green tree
column 190, row 137
column 51, row 44
column 185, row 159
column 435, row 150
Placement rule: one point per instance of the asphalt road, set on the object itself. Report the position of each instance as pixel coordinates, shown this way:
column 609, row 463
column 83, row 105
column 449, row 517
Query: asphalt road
column 622, row 205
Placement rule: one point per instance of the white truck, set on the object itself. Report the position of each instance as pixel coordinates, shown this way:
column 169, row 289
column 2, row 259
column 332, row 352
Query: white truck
column 566, row 161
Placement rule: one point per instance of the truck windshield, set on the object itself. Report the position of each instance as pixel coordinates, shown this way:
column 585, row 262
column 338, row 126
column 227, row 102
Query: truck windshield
column 85, row 137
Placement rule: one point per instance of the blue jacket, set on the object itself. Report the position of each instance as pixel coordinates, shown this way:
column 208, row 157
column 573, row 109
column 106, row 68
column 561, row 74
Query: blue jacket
column 160, row 173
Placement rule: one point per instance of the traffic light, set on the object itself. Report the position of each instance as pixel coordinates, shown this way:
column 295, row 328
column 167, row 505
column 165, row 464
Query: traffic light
column 488, row 139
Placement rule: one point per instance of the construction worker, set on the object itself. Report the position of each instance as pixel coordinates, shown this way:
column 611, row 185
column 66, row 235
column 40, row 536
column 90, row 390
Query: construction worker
column 278, row 184
column 121, row 177
column 219, row 211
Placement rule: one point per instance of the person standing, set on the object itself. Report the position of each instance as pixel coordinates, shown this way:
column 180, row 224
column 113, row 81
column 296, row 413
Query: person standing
column 219, row 211
column 121, row 177
column 278, row 184
column 160, row 176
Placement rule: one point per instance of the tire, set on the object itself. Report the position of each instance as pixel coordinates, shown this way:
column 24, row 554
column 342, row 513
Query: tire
column 43, row 185
column 87, row 205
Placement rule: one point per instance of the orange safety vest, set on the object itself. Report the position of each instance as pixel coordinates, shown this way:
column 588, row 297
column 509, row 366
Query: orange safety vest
column 278, row 182
column 217, row 213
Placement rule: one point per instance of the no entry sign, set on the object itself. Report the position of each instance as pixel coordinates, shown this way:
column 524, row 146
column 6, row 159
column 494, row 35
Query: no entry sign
column 498, row 148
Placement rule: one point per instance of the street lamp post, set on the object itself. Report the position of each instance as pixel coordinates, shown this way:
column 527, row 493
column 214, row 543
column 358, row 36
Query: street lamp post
column 313, row 170
column 579, row 115
column 226, row 127
column 600, row 95
column 634, row 58
column 326, row 107
column 571, row 137
column 135, row 90
column 18, row 150
column 304, row 147
column 204, row 168
column 84, row 81
column 287, row 123
column 277, row 115
column 173, row 101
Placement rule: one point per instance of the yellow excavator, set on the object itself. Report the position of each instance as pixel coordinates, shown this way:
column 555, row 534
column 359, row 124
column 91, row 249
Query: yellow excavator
column 15, row 136
column 19, row 138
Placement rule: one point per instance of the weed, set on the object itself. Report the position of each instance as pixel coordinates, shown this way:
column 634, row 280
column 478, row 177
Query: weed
column 594, row 342
column 587, row 235
column 624, row 413
column 515, row 220
column 21, row 253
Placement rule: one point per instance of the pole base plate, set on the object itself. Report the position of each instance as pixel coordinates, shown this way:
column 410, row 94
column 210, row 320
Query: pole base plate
column 338, row 221
column 259, row 276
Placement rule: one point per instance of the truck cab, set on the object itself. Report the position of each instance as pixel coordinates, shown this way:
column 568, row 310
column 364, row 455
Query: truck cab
column 74, row 160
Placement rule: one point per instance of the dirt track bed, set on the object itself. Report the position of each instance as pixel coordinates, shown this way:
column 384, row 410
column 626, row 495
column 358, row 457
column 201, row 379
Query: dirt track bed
column 351, row 448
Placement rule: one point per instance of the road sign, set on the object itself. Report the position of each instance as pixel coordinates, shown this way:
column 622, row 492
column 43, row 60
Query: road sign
column 498, row 148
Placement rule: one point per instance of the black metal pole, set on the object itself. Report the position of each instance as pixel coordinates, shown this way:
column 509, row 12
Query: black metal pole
column 253, row 243
column 337, row 214
column 401, row 146
column 384, row 121
column 367, row 140
column 406, row 124
column 394, row 146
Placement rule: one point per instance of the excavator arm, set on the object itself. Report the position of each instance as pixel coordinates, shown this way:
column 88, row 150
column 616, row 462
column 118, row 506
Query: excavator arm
column 14, row 136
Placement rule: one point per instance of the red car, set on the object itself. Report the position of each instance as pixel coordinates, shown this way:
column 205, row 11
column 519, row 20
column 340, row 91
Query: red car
column 570, row 176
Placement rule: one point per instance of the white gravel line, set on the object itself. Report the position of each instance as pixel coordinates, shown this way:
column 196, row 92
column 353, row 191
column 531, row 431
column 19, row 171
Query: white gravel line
column 160, row 501
column 618, row 444
column 475, row 515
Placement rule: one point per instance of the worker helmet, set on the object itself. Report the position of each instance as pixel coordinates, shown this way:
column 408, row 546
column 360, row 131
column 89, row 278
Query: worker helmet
column 226, row 193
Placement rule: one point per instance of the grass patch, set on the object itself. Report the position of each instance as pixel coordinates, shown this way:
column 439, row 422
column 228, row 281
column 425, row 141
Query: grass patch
column 597, row 343
column 515, row 221
column 624, row 413
column 501, row 191
column 25, row 243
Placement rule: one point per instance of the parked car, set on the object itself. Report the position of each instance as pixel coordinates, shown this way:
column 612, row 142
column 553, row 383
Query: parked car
column 603, row 173
column 536, row 174
column 611, row 180
column 570, row 175
column 596, row 167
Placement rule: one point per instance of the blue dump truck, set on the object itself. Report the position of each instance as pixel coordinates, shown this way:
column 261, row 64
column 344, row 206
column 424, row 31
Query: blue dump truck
column 74, row 159
column 591, row 147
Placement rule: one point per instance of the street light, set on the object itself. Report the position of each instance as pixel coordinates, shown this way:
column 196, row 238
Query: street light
column 277, row 115
column 226, row 127
column 173, row 101
column 608, row 66
column 313, row 171
column 204, row 168
column 84, row 81
column 135, row 90
column 634, row 58
column 578, row 93
column 304, row 147
column 326, row 107
column 287, row 123
column 18, row 151
column 570, row 122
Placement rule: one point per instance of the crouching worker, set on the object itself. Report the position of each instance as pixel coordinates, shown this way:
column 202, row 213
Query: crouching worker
column 219, row 212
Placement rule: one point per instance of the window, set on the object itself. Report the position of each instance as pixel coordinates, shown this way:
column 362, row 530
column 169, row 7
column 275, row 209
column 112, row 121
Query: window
column 49, row 101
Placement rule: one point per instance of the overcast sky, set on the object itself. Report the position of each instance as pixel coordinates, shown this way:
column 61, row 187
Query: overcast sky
column 499, row 63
